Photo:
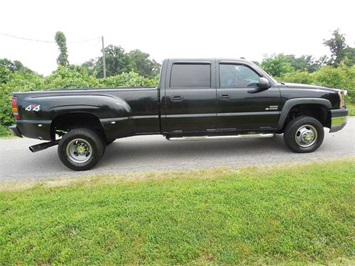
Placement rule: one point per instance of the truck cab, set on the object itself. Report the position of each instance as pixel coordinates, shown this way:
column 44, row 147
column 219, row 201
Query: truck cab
column 217, row 97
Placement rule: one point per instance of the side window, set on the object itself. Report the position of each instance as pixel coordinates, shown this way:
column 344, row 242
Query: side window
column 237, row 76
column 190, row 75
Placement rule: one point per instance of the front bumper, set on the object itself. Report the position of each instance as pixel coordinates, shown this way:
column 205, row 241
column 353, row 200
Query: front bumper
column 15, row 131
column 339, row 118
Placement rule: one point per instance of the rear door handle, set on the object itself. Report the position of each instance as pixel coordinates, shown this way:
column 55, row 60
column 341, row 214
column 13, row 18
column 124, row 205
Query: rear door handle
column 176, row 98
column 224, row 96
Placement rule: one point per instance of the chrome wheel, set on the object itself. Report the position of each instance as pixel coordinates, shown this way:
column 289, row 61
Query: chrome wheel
column 306, row 136
column 79, row 150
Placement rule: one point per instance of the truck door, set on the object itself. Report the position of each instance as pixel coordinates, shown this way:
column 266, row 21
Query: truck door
column 190, row 98
column 241, row 106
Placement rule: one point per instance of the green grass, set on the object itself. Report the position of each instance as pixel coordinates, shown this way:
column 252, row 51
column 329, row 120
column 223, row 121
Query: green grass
column 264, row 215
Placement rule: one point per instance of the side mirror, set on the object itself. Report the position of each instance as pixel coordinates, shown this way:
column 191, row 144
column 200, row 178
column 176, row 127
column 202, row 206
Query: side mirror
column 264, row 84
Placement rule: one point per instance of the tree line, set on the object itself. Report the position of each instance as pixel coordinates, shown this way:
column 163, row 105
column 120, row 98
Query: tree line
column 341, row 55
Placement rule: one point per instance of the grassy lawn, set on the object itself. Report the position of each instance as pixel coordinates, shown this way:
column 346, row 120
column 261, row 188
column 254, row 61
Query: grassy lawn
column 264, row 215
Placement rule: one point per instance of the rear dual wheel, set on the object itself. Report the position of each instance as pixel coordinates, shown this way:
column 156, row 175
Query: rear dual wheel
column 81, row 149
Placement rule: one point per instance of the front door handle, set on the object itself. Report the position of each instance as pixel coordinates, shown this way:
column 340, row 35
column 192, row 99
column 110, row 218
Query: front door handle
column 176, row 98
column 225, row 97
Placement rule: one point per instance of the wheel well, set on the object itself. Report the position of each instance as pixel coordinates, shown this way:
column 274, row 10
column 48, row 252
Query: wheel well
column 64, row 123
column 317, row 111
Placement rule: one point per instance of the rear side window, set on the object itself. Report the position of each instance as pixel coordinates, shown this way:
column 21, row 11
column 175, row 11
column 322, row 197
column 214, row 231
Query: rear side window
column 190, row 75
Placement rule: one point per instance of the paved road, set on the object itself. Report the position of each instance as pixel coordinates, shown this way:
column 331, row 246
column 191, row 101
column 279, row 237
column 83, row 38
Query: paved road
column 154, row 153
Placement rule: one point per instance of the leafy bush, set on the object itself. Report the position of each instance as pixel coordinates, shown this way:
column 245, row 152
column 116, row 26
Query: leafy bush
column 342, row 77
column 70, row 77
column 130, row 79
column 301, row 77
column 4, row 131
column 14, row 82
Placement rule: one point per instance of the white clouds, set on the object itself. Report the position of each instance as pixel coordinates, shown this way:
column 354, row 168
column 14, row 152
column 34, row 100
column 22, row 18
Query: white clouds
column 194, row 28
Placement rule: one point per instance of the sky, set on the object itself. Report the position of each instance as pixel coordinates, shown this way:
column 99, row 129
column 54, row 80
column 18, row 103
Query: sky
column 252, row 29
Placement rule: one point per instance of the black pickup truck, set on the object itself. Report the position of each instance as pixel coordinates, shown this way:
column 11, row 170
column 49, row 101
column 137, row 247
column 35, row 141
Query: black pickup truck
column 209, row 97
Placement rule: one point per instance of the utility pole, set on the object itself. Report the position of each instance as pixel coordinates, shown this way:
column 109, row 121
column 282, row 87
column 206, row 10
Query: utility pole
column 103, row 56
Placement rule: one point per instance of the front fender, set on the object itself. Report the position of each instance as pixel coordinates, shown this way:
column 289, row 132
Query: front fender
column 301, row 101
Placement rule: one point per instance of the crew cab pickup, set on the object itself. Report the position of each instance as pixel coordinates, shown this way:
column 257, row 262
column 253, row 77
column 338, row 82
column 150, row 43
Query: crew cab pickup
column 208, row 97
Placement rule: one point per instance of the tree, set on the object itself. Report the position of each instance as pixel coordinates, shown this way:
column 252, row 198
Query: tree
column 349, row 56
column 340, row 51
column 90, row 66
column 139, row 62
column 61, row 41
column 277, row 65
column 118, row 62
column 304, row 63
column 14, row 66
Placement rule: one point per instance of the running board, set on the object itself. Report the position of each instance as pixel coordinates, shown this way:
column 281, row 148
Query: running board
column 246, row 136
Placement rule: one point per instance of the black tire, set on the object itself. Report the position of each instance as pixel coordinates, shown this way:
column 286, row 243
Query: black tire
column 304, row 134
column 81, row 149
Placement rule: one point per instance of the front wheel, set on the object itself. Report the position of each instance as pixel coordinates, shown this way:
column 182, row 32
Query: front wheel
column 304, row 134
column 80, row 149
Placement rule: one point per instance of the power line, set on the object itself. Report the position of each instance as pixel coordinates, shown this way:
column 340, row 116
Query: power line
column 23, row 38
column 44, row 41
column 89, row 40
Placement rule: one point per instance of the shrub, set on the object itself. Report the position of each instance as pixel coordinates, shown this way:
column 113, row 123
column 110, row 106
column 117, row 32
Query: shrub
column 342, row 77
column 70, row 77
column 130, row 79
column 301, row 77
column 15, row 82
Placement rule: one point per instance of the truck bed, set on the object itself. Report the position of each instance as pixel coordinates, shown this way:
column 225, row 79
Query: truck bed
column 137, row 106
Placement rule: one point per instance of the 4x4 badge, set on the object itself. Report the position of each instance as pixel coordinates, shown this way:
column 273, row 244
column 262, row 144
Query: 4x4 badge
column 33, row 107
